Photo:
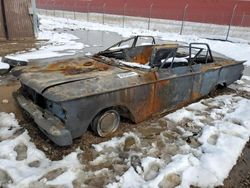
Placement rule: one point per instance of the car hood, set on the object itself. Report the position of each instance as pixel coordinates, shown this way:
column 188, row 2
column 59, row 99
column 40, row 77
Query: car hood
column 80, row 77
column 42, row 77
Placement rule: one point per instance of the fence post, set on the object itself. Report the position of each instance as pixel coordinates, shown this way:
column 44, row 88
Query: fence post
column 54, row 7
column 123, row 19
column 63, row 10
column 46, row 6
column 88, row 6
column 103, row 12
column 150, row 13
column 35, row 19
column 74, row 10
column 46, row 11
column 183, row 18
column 243, row 18
column 231, row 20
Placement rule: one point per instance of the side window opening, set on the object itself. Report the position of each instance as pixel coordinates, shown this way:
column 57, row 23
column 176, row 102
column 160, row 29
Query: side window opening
column 142, row 41
column 169, row 58
column 161, row 55
column 137, row 48
column 123, row 45
column 195, row 53
column 200, row 53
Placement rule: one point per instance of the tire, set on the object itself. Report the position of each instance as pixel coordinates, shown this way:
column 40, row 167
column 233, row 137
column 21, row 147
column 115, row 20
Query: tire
column 106, row 123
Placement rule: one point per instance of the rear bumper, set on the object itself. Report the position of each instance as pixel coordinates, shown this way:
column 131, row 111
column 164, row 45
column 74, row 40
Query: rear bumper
column 50, row 125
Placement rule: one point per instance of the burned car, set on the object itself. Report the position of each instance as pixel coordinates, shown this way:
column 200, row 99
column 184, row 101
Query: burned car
column 137, row 82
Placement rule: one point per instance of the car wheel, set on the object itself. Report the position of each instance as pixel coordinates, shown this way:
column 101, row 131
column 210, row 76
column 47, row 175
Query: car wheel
column 106, row 123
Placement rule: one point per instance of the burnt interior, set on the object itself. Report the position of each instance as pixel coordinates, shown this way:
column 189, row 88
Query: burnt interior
column 162, row 56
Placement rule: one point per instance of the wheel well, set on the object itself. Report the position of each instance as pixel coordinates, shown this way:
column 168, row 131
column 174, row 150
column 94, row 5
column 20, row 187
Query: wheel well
column 221, row 85
column 122, row 110
column 218, row 86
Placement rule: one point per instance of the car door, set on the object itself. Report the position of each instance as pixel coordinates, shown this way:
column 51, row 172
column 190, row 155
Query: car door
column 206, row 74
column 174, row 87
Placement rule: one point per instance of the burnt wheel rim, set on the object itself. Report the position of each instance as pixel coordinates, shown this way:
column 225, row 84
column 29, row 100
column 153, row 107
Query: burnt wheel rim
column 108, row 123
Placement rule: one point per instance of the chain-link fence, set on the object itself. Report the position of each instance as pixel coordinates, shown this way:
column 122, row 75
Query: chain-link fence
column 233, row 22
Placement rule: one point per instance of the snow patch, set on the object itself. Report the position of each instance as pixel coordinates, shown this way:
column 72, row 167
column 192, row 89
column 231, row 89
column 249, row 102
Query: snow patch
column 59, row 44
column 22, row 173
column 4, row 65
column 209, row 164
column 133, row 64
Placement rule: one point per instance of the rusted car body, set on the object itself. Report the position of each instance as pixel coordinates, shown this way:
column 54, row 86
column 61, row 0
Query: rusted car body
column 65, row 97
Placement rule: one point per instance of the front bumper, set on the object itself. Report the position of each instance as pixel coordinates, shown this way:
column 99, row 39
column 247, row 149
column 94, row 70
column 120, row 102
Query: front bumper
column 49, row 124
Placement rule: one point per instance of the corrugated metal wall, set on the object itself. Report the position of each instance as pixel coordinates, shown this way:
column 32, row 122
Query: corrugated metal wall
column 18, row 21
column 2, row 31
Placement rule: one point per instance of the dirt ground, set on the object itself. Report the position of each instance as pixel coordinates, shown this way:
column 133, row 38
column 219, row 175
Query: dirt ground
column 7, row 102
column 239, row 176
column 9, row 47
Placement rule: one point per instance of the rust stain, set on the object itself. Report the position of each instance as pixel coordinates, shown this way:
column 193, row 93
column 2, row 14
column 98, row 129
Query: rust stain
column 143, row 57
column 162, row 46
column 77, row 67
column 144, row 109
column 160, row 95
column 89, row 63
column 149, row 76
column 155, row 101
column 150, row 101
column 141, row 99
column 195, row 96
column 215, row 65
column 162, row 84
